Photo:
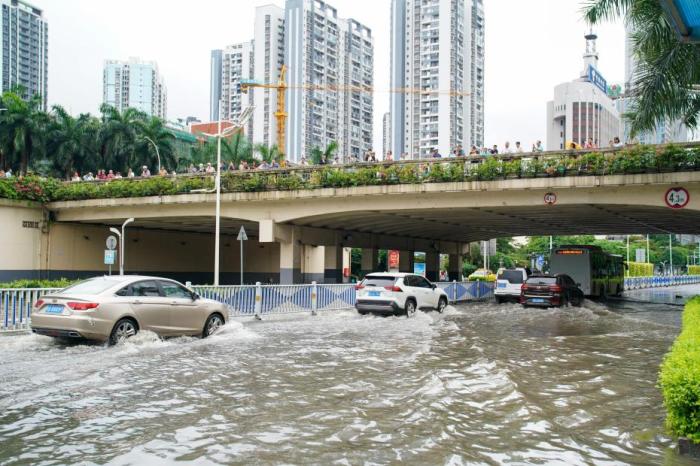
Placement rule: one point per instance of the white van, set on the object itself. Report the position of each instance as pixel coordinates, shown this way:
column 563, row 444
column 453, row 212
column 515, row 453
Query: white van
column 508, row 283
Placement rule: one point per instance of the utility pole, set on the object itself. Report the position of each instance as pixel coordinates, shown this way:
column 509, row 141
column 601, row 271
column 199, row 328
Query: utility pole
column 628, row 249
column 670, row 253
column 648, row 256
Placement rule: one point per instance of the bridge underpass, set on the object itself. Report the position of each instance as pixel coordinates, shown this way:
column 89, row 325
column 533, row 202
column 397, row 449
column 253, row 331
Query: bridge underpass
column 300, row 235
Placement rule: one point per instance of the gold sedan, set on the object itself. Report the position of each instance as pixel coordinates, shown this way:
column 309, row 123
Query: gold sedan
column 115, row 308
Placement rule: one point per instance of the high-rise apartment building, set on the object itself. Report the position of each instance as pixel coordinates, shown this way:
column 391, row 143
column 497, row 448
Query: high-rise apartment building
column 432, row 50
column 323, row 50
column 581, row 109
column 215, row 84
column 135, row 84
column 666, row 130
column 236, row 63
column 269, row 57
column 23, row 48
column 386, row 133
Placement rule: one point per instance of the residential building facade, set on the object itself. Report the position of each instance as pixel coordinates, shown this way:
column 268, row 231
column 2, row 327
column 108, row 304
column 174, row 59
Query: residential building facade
column 432, row 49
column 215, row 84
column 23, row 49
column 236, row 64
column 581, row 109
column 135, row 84
column 386, row 133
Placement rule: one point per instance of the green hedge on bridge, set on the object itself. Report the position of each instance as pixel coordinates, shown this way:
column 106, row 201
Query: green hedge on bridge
column 680, row 377
column 637, row 159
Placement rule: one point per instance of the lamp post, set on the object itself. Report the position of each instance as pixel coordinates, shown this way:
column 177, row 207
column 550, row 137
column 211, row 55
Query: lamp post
column 156, row 147
column 122, row 236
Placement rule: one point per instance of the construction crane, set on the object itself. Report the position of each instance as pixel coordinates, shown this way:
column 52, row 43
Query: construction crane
column 282, row 87
column 280, row 114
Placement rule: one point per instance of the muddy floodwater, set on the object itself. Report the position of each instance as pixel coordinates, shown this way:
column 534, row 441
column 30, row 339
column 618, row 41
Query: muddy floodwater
column 479, row 384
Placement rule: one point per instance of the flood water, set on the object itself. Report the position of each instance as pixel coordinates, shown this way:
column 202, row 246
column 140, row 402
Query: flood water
column 480, row 384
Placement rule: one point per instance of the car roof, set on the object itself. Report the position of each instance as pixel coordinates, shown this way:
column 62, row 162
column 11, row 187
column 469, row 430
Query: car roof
column 129, row 278
column 389, row 274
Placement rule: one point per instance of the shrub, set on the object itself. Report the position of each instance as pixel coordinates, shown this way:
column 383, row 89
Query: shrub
column 31, row 283
column 680, row 377
column 694, row 270
column 640, row 269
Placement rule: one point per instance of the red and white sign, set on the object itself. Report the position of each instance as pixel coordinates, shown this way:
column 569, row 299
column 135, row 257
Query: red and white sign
column 550, row 198
column 677, row 198
column 393, row 260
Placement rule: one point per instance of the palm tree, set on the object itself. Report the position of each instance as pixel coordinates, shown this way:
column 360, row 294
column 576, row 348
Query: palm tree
column 154, row 130
column 666, row 84
column 71, row 141
column 236, row 148
column 319, row 156
column 269, row 153
column 118, row 136
column 22, row 129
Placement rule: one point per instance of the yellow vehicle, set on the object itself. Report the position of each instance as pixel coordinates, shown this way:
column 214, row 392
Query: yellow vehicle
column 482, row 275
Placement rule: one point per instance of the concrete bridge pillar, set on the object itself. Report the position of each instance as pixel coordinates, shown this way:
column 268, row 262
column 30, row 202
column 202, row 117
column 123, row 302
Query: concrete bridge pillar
column 370, row 261
column 314, row 263
column 290, row 261
column 432, row 266
column 333, row 267
column 455, row 267
column 406, row 261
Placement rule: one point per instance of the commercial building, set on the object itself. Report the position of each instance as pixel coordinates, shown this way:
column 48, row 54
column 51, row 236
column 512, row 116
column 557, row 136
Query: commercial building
column 135, row 84
column 229, row 66
column 666, row 130
column 24, row 46
column 436, row 45
column 581, row 109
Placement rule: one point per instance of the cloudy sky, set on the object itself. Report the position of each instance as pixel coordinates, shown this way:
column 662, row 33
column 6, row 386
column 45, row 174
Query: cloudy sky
column 530, row 47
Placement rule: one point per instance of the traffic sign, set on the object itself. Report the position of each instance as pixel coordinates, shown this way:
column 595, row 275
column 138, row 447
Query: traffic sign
column 242, row 235
column 677, row 198
column 109, row 256
column 550, row 198
column 111, row 242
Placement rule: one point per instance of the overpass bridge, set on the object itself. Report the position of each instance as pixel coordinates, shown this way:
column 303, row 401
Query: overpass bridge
column 299, row 234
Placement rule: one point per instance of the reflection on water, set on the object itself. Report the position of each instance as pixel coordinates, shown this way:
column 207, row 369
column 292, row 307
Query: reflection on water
column 479, row 384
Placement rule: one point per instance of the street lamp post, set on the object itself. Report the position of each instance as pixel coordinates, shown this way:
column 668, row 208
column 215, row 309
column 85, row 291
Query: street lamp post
column 122, row 236
column 156, row 147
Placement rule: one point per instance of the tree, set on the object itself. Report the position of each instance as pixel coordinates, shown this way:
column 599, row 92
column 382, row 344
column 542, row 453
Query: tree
column 665, row 85
column 22, row 129
column 319, row 156
column 236, row 149
column 71, row 142
column 268, row 154
column 149, row 132
column 118, row 137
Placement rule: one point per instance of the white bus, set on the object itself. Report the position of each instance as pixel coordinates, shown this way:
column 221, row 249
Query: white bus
column 598, row 273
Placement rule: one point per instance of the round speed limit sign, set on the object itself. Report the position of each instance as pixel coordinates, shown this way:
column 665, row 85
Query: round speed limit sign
column 677, row 198
column 550, row 198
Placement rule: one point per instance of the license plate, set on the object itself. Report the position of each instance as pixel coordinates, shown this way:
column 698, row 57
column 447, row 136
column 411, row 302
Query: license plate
column 537, row 300
column 501, row 285
column 375, row 293
column 54, row 309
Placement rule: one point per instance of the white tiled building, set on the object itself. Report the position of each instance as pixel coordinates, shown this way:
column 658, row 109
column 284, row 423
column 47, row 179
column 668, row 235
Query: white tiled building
column 134, row 84
column 436, row 45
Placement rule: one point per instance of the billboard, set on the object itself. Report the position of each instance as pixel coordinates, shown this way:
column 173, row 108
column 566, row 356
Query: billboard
column 597, row 79
column 393, row 259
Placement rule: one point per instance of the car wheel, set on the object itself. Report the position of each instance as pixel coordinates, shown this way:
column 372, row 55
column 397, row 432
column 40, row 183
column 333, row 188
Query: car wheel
column 410, row 308
column 442, row 304
column 578, row 301
column 123, row 329
column 499, row 300
column 363, row 313
column 214, row 322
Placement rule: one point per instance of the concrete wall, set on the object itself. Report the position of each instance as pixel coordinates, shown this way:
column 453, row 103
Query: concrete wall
column 21, row 243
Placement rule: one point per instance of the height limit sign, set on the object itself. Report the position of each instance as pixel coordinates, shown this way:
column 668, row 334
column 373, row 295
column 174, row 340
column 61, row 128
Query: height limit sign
column 677, row 198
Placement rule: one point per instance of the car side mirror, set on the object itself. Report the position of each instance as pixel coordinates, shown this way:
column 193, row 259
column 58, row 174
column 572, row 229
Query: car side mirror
column 578, row 285
column 433, row 285
column 195, row 296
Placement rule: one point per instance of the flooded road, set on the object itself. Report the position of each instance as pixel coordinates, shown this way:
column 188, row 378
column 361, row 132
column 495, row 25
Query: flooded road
column 480, row 384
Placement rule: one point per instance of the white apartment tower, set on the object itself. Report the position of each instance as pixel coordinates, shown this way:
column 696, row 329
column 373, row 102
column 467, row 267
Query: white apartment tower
column 236, row 64
column 386, row 133
column 134, row 84
column 315, row 39
column 269, row 57
column 23, row 48
column 436, row 45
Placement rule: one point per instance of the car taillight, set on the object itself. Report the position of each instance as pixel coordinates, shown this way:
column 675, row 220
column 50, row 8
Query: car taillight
column 39, row 303
column 555, row 288
column 359, row 286
column 394, row 288
column 523, row 287
column 82, row 306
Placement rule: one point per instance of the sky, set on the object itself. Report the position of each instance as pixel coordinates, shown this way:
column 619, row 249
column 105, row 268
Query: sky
column 531, row 46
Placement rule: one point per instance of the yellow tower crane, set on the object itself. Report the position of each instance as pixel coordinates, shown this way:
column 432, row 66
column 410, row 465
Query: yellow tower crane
column 280, row 114
column 282, row 87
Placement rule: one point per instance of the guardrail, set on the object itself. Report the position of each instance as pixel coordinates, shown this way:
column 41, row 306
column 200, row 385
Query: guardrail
column 261, row 300
column 247, row 300
column 636, row 283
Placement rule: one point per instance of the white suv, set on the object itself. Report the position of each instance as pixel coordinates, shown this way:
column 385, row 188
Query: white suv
column 508, row 283
column 398, row 293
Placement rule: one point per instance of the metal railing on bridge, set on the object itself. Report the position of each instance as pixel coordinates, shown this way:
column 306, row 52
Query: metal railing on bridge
column 636, row 283
column 247, row 300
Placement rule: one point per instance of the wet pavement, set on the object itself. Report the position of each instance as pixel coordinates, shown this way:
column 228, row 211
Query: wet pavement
column 480, row 384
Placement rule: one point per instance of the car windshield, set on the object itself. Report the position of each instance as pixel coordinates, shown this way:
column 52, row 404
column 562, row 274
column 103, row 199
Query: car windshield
column 379, row 281
column 92, row 286
column 513, row 276
column 542, row 281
